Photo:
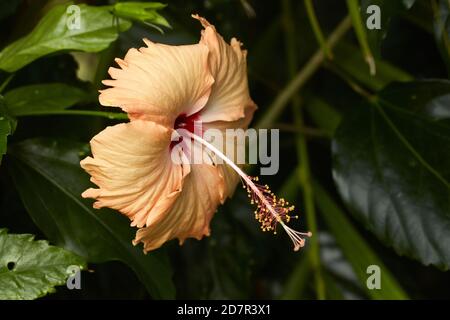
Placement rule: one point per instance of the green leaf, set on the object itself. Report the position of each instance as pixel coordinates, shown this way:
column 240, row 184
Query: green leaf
column 408, row 3
column 323, row 115
column 355, row 248
column 349, row 60
column 30, row 269
column 421, row 15
column 391, row 168
column 41, row 98
column 431, row 97
column 333, row 291
column 97, row 30
column 50, row 181
column 145, row 12
column 298, row 280
column 441, row 24
column 7, row 127
column 5, row 130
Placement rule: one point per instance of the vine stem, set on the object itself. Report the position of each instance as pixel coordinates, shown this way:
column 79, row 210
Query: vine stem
column 354, row 10
column 280, row 102
column 304, row 174
column 316, row 28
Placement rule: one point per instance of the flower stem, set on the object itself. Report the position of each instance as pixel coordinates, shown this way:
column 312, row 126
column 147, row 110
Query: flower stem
column 353, row 8
column 351, row 83
column 302, row 154
column 275, row 109
column 316, row 28
column 6, row 82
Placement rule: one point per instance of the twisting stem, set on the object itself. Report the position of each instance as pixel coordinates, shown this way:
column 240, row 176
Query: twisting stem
column 353, row 8
column 303, row 156
column 6, row 82
column 275, row 109
column 316, row 28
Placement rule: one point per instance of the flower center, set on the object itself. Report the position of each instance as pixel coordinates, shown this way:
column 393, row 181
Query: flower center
column 186, row 122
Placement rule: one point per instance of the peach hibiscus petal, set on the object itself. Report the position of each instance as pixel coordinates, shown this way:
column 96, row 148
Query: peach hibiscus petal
column 159, row 82
column 230, row 177
column 230, row 94
column 191, row 213
column 132, row 167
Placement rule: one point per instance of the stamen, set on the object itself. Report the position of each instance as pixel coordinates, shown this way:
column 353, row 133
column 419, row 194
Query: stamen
column 270, row 210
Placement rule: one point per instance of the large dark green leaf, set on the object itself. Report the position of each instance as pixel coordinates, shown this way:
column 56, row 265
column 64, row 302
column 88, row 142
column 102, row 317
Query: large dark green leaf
column 31, row 269
column 50, row 181
column 41, row 98
column 97, row 30
column 431, row 97
column 391, row 166
column 355, row 248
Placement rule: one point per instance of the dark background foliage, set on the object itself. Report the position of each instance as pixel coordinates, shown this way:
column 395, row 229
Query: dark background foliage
column 364, row 157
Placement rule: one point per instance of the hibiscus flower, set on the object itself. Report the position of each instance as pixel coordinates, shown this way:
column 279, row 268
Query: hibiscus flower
column 143, row 172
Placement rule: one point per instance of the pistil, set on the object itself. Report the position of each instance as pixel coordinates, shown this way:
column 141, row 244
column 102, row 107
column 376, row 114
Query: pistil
column 270, row 210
